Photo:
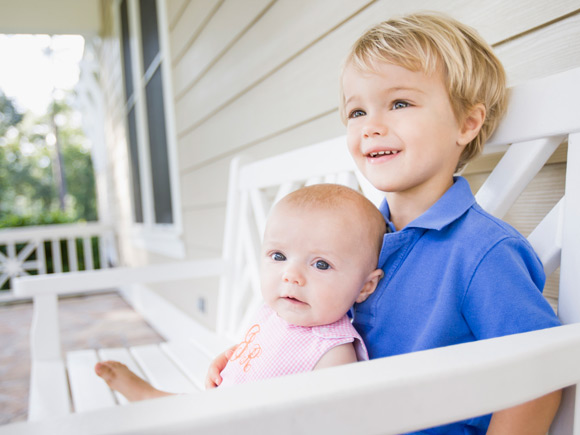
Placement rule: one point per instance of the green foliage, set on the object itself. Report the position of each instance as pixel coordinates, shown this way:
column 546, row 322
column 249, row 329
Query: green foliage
column 9, row 115
column 49, row 218
column 28, row 186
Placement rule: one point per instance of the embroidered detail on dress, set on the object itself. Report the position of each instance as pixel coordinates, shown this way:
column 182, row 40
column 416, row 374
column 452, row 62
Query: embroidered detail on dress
column 243, row 353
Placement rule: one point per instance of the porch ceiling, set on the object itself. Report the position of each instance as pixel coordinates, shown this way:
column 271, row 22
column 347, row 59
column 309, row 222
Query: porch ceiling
column 51, row 17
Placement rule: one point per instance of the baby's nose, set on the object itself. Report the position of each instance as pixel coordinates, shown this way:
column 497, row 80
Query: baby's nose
column 292, row 276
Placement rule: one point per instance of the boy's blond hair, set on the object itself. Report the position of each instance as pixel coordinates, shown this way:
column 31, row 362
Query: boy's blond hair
column 425, row 42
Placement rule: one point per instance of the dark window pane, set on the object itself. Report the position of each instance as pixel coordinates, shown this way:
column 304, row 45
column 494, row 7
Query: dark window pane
column 158, row 150
column 135, row 172
column 149, row 33
column 127, row 67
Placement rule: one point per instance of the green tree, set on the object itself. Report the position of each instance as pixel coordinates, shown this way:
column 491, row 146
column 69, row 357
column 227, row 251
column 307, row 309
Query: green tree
column 9, row 115
column 27, row 172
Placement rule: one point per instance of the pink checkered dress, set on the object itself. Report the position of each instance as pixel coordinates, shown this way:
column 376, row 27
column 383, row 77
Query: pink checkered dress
column 272, row 347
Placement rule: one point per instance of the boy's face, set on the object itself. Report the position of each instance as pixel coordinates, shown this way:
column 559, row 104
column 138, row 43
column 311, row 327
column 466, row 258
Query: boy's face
column 314, row 264
column 401, row 129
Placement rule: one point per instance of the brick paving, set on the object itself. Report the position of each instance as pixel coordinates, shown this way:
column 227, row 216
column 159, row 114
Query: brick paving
column 96, row 321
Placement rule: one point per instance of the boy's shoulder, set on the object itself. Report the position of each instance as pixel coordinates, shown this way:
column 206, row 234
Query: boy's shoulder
column 480, row 232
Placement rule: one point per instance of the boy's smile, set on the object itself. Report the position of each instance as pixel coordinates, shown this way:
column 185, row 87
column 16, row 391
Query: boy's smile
column 401, row 131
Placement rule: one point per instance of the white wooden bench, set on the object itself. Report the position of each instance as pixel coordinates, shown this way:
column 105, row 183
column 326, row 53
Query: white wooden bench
column 386, row 396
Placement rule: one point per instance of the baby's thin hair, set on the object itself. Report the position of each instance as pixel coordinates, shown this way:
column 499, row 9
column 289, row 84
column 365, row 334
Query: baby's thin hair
column 430, row 41
column 341, row 199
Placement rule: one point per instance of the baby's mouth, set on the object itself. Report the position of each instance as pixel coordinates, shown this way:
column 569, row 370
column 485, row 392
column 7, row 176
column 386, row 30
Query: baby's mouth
column 293, row 300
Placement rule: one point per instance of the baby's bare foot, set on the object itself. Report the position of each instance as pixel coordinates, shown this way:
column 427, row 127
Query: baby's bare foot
column 119, row 378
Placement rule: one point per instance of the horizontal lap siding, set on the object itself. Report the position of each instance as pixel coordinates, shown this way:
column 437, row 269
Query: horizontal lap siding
column 268, row 82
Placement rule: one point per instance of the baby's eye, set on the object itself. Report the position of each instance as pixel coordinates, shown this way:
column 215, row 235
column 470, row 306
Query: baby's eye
column 400, row 105
column 322, row 265
column 356, row 113
column 278, row 256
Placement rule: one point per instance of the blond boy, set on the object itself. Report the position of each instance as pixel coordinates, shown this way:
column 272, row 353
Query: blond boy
column 420, row 95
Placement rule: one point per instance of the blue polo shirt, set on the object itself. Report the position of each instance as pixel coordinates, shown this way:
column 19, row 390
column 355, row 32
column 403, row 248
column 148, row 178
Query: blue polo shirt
column 453, row 275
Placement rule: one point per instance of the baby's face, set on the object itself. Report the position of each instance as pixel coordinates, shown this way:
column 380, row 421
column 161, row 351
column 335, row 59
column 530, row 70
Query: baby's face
column 314, row 264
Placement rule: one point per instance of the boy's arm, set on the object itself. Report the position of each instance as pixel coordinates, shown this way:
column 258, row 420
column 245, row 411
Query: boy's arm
column 529, row 418
column 342, row 354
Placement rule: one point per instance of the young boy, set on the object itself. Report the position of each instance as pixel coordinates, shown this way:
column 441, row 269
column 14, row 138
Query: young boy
column 317, row 261
column 420, row 96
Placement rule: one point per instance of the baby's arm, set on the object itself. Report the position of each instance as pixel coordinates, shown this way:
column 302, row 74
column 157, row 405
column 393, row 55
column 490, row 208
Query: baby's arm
column 342, row 354
column 530, row 418
column 213, row 377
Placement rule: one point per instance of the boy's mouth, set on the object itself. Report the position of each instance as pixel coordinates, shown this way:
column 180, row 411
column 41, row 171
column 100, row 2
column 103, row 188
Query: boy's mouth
column 382, row 153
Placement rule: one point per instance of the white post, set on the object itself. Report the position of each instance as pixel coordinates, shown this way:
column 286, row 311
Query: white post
column 568, row 419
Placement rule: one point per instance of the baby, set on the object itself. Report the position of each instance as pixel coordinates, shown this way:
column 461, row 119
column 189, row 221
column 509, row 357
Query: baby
column 319, row 256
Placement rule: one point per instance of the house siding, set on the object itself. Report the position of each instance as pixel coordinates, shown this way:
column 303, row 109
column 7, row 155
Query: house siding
column 260, row 77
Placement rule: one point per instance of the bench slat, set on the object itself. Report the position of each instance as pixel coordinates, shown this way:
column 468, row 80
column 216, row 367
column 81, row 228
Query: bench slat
column 89, row 392
column 122, row 355
column 190, row 359
column 161, row 371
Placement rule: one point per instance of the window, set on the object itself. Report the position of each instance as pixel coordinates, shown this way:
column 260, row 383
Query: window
column 149, row 137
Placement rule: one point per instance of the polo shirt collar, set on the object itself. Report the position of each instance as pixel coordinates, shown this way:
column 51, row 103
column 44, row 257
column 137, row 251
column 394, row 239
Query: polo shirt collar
column 452, row 205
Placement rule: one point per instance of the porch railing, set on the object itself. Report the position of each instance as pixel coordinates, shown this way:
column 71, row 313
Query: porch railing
column 53, row 248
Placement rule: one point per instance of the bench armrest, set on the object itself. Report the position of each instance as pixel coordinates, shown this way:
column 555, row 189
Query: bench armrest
column 387, row 396
column 94, row 280
column 45, row 289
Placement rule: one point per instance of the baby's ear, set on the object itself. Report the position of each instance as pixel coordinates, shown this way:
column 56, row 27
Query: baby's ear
column 370, row 285
column 471, row 124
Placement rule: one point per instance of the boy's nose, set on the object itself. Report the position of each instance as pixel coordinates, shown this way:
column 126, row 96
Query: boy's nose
column 374, row 127
column 292, row 276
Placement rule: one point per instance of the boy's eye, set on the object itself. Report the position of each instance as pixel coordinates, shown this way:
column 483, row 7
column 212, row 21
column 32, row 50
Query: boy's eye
column 400, row 105
column 278, row 256
column 356, row 113
column 322, row 265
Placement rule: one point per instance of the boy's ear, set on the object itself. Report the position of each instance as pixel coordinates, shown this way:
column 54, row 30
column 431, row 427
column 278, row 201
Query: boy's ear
column 471, row 124
column 370, row 285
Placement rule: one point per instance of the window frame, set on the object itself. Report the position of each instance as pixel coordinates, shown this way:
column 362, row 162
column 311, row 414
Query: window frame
column 161, row 238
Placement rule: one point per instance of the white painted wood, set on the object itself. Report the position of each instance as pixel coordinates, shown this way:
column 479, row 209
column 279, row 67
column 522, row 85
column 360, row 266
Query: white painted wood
column 186, row 20
column 547, row 238
column 229, row 22
column 44, row 331
column 89, row 392
column 383, row 396
column 72, row 254
column 49, row 393
column 161, row 372
column 88, row 253
column 190, row 360
column 74, row 282
column 545, row 95
column 516, row 169
column 285, row 30
column 48, row 232
column 56, row 255
column 569, row 300
column 546, row 51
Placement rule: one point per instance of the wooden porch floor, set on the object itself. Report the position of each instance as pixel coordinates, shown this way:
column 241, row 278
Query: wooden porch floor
column 96, row 321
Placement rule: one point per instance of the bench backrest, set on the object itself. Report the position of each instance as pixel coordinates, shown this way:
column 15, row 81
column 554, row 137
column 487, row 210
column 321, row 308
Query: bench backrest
column 542, row 115
column 254, row 187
